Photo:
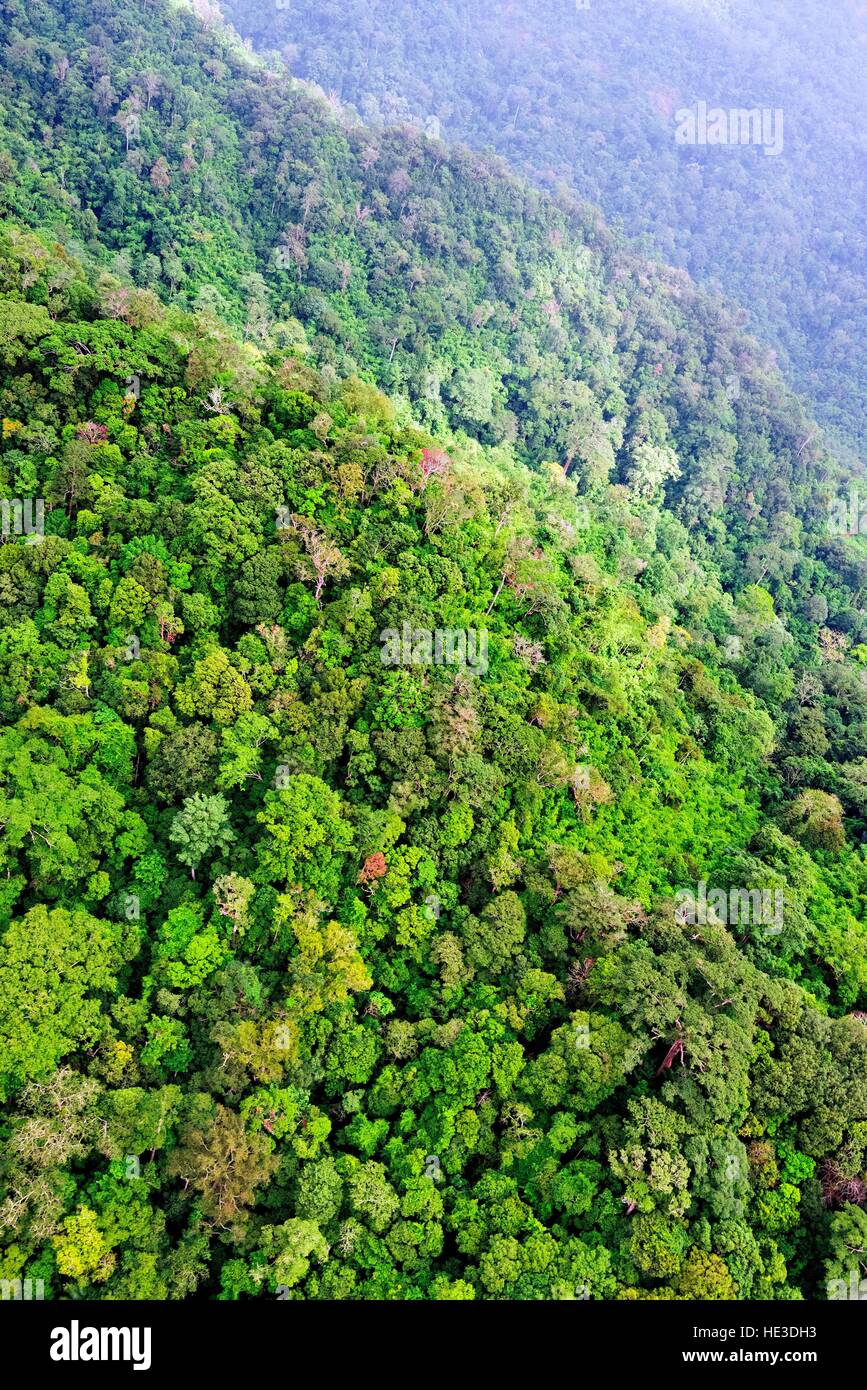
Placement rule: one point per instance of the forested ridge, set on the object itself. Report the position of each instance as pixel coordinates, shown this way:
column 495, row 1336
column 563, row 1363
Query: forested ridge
column 584, row 94
column 342, row 959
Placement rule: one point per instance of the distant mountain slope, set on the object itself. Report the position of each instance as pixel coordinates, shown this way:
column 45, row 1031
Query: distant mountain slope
column 489, row 307
column 586, row 95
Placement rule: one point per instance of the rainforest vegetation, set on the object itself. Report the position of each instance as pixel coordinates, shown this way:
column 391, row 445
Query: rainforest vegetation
column 329, row 973
column 584, row 94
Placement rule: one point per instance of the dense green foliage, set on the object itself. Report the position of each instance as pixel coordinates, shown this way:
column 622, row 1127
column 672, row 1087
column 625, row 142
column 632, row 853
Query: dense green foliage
column 584, row 95
column 328, row 976
column 487, row 308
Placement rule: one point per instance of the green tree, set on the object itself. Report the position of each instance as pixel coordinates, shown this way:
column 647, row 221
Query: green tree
column 57, row 968
column 201, row 829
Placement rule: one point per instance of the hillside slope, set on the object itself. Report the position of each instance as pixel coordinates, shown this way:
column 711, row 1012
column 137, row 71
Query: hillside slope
column 480, row 306
column 341, row 963
column 433, row 834
column 586, row 96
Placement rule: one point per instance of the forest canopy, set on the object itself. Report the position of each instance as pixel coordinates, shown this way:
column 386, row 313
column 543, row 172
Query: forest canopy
column 434, row 721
